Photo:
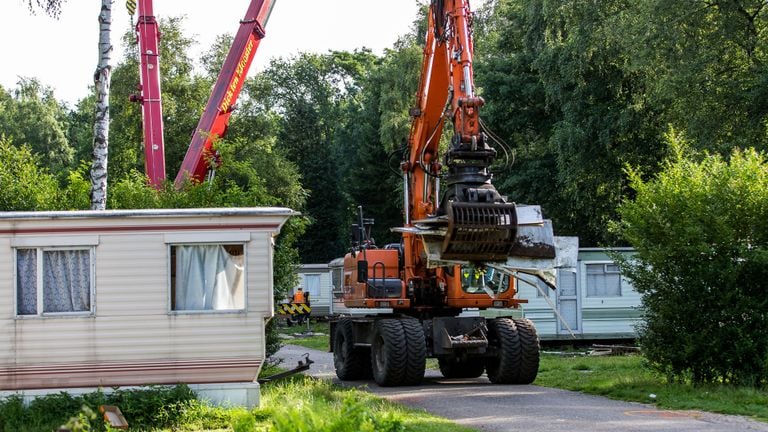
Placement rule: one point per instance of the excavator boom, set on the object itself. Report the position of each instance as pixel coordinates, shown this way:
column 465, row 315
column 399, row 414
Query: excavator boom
column 472, row 222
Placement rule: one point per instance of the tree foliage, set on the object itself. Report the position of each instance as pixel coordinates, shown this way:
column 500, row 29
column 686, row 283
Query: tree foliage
column 706, row 67
column 26, row 186
column 307, row 94
column 700, row 228
column 371, row 141
column 557, row 86
column 31, row 115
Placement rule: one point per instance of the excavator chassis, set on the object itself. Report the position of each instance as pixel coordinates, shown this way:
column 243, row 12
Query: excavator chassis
column 392, row 349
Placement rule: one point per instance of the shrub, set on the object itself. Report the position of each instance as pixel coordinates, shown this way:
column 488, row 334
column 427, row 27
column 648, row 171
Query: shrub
column 147, row 409
column 701, row 233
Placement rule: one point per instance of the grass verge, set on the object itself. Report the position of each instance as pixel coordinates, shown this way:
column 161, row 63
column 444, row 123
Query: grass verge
column 310, row 405
column 318, row 340
column 292, row 405
column 628, row 378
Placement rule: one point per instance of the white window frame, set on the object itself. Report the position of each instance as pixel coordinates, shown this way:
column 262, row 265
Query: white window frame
column 236, row 240
column 605, row 265
column 40, row 282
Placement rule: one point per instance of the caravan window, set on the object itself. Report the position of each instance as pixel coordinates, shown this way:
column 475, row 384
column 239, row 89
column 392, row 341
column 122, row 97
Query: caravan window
column 207, row 277
column 603, row 280
column 52, row 281
column 313, row 285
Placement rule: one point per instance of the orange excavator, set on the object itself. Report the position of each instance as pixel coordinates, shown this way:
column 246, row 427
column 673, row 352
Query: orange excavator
column 461, row 248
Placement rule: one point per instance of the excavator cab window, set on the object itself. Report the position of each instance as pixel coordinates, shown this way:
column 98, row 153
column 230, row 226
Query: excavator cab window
column 476, row 281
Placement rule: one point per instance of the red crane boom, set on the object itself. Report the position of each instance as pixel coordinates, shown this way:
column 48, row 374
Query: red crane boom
column 148, row 35
column 215, row 118
column 213, row 123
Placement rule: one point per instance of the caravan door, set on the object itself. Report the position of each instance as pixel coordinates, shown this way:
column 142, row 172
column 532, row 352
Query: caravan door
column 568, row 302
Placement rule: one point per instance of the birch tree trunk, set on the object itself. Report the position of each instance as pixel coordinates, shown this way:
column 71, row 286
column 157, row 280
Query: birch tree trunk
column 101, row 126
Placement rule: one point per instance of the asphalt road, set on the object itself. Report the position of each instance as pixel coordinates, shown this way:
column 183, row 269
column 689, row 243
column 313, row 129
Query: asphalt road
column 486, row 407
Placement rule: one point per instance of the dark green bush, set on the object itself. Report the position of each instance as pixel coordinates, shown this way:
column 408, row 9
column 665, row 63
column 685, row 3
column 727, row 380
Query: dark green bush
column 153, row 408
column 700, row 228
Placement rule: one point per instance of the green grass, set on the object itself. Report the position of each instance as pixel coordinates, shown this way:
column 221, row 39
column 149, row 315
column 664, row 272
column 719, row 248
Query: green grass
column 627, row 378
column 306, row 403
column 314, row 342
column 433, row 364
column 292, row 405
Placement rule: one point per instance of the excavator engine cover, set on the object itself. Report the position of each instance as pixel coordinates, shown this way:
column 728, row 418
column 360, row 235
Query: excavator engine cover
column 479, row 231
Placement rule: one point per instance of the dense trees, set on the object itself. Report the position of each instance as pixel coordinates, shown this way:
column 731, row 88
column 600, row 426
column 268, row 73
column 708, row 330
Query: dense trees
column 575, row 91
column 30, row 114
column 706, row 64
column 579, row 89
column 557, row 84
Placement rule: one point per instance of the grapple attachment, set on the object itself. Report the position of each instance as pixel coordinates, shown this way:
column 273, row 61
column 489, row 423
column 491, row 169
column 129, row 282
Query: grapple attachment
column 479, row 231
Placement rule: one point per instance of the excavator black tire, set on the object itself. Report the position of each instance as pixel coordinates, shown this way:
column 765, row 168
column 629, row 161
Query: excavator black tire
column 529, row 344
column 351, row 362
column 398, row 352
column 416, row 351
column 505, row 367
column 453, row 368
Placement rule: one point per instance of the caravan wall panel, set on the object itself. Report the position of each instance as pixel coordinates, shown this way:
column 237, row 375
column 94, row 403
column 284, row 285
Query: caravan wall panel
column 132, row 337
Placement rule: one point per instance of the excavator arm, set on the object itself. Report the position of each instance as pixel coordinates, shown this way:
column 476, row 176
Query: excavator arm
column 472, row 221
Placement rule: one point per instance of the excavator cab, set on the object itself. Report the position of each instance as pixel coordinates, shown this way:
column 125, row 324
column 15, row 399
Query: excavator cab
column 477, row 280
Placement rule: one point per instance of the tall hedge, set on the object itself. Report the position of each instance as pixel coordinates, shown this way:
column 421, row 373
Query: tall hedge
column 700, row 228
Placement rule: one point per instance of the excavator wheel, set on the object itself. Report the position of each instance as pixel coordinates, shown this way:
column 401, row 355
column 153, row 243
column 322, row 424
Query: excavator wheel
column 517, row 355
column 529, row 344
column 416, row 348
column 351, row 362
column 398, row 353
column 454, row 368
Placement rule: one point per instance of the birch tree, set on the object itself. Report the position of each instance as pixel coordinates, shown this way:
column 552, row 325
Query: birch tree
column 101, row 126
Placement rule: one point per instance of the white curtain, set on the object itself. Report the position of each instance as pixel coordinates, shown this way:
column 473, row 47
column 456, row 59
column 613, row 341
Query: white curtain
column 26, row 281
column 67, row 281
column 208, row 278
column 313, row 286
